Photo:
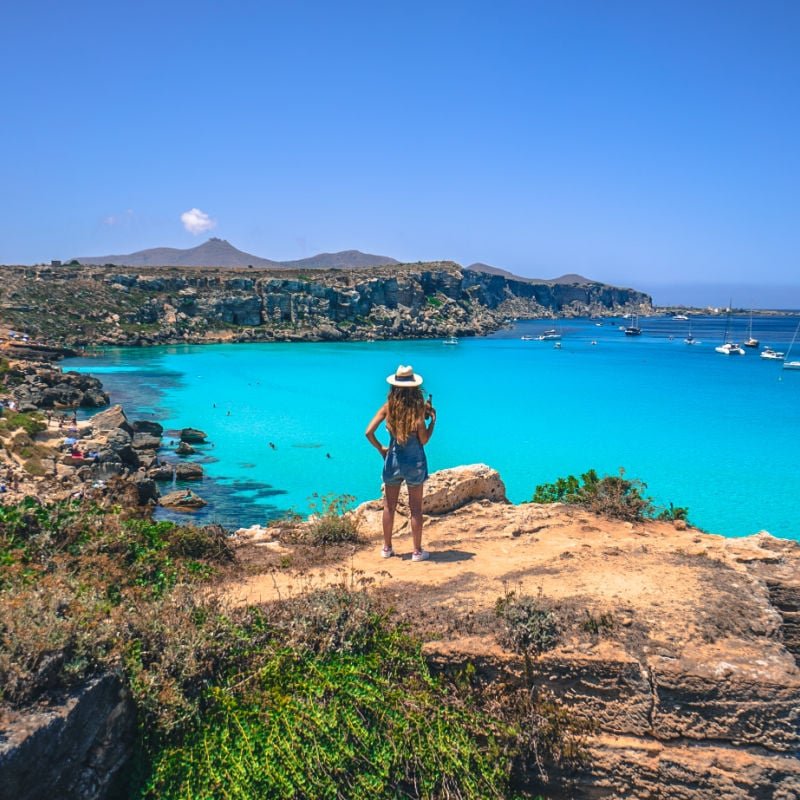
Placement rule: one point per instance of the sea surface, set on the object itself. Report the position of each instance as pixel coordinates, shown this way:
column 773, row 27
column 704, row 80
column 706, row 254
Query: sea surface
column 720, row 435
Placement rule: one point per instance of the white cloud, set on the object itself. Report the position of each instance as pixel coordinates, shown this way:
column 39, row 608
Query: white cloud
column 196, row 221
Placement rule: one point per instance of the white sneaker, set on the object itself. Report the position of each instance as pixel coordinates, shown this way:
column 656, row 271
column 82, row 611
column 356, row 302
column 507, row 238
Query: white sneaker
column 387, row 553
column 420, row 555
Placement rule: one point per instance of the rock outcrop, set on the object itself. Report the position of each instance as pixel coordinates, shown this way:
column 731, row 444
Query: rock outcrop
column 681, row 647
column 72, row 750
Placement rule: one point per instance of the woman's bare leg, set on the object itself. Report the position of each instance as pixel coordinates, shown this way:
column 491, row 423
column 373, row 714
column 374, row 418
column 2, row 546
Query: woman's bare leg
column 391, row 493
column 415, row 507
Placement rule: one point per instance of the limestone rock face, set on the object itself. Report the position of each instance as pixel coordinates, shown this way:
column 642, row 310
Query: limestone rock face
column 449, row 489
column 390, row 301
column 74, row 750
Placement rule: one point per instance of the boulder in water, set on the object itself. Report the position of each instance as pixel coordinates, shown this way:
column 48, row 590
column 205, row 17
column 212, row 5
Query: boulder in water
column 182, row 501
column 185, row 449
column 188, row 472
column 193, row 436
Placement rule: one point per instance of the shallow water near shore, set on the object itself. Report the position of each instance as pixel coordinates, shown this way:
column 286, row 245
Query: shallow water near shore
column 717, row 434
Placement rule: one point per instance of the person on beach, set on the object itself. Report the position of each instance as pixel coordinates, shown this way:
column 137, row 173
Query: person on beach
column 404, row 413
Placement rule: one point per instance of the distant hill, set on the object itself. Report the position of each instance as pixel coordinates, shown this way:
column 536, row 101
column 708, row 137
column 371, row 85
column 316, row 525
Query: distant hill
column 569, row 278
column 221, row 253
column 346, row 259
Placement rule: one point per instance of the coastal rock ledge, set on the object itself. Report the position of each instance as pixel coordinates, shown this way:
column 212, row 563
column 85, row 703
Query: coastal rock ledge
column 681, row 646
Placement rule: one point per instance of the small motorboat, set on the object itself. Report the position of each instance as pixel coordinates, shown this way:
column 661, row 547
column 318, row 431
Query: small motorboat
column 549, row 334
column 526, row 338
column 772, row 355
column 450, row 340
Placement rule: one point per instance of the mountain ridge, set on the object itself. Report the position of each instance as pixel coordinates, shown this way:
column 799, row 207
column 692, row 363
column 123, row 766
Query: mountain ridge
column 221, row 253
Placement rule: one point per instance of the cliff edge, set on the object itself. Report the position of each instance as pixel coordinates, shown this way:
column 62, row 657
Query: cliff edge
column 682, row 647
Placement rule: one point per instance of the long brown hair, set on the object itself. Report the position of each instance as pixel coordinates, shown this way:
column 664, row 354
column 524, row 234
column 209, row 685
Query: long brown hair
column 405, row 408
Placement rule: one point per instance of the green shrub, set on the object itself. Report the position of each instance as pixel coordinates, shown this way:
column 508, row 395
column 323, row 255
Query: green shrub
column 434, row 301
column 328, row 523
column 674, row 512
column 612, row 495
column 31, row 422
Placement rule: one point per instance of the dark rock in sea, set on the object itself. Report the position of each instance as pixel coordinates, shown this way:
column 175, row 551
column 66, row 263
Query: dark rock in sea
column 147, row 426
column 182, row 501
column 193, row 436
column 185, row 449
column 188, row 471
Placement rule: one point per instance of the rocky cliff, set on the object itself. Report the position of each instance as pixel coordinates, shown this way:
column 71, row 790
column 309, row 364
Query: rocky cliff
column 111, row 305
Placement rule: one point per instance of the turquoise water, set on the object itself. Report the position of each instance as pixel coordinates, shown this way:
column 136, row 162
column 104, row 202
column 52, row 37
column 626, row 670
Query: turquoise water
column 717, row 434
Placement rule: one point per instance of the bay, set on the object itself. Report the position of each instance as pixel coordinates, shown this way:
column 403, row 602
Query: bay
column 717, row 434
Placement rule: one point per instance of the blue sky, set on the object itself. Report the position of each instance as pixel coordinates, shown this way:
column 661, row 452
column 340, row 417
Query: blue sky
column 642, row 143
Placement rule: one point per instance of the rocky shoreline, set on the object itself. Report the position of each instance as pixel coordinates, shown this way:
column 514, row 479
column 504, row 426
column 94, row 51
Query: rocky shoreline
column 102, row 306
column 46, row 452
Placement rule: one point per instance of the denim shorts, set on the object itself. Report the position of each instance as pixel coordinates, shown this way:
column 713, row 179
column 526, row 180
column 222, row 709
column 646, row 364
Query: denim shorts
column 405, row 463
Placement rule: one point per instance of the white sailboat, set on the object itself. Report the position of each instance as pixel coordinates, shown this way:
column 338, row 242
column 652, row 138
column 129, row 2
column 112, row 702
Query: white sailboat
column 729, row 348
column 750, row 341
column 792, row 364
column 689, row 338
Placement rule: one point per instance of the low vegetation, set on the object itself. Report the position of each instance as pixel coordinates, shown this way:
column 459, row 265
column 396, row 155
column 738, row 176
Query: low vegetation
column 328, row 522
column 30, row 422
column 321, row 695
column 611, row 495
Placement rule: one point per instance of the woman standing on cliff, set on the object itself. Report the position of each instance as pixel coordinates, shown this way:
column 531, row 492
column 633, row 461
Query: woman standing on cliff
column 404, row 413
